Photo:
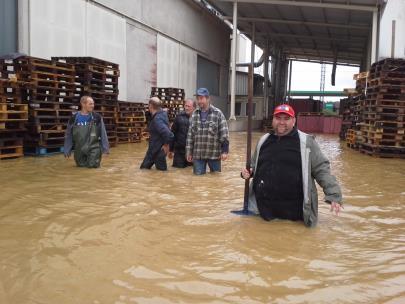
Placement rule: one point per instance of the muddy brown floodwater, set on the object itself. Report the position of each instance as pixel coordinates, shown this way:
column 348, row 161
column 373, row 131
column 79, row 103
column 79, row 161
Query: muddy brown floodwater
column 121, row 235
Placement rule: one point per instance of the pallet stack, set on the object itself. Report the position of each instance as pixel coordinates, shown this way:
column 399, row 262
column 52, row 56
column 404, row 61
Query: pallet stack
column 13, row 116
column 383, row 127
column 130, row 122
column 172, row 99
column 351, row 109
column 49, row 91
column 354, row 139
column 98, row 79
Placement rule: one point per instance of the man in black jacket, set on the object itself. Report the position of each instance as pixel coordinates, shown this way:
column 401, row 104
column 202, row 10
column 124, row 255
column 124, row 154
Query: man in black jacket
column 180, row 129
column 160, row 137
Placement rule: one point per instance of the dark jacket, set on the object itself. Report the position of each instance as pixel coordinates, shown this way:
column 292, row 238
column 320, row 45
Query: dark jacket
column 98, row 121
column 159, row 132
column 180, row 129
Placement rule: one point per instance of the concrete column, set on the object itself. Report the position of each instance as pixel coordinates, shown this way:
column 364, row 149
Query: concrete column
column 374, row 38
column 289, row 81
column 233, row 59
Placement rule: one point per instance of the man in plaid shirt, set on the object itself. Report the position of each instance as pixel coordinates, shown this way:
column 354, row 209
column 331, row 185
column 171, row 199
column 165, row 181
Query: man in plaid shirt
column 208, row 136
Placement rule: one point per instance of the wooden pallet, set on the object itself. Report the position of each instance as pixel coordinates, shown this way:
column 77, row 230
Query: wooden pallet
column 89, row 60
column 383, row 151
column 11, row 152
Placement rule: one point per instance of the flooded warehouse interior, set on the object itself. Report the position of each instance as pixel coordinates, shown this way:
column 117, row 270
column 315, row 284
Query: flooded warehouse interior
column 168, row 151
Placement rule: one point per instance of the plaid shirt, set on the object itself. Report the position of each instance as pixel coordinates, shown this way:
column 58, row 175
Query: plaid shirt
column 207, row 140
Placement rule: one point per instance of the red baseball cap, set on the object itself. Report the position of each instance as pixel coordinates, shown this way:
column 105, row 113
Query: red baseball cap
column 284, row 108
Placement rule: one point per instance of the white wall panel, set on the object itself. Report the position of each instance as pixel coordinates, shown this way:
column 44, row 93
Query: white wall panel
column 168, row 60
column 176, row 65
column 57, row 28
column 106, row 39
column 78, row 28
column 188, row 71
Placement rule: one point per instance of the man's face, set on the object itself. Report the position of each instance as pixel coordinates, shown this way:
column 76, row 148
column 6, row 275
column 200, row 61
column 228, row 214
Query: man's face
column 283, row 124
column 203, row 101
column 88, row 105
column 189, row 107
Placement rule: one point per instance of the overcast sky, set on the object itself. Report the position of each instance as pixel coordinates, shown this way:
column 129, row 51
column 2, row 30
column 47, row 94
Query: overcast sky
column 306, row 77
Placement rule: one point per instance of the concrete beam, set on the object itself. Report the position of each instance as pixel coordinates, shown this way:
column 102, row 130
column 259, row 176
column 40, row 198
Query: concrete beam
column 350, row 7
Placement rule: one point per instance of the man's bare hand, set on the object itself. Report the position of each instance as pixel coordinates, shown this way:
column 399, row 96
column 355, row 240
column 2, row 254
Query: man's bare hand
column 224, row 156
column 335, row 208
column 189, row 158
column 246, row 174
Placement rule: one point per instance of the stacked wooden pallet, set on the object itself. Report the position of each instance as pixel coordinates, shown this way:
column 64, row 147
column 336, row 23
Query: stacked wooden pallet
column 13, row 116
column 99, row 79
column 354, row 138
column 49, row 92
column 383, row 128
column 130, row 122
column 352, row 107
column 172, row 99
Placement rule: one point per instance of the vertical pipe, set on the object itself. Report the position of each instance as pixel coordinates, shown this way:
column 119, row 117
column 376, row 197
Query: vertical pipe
column 374, row 38
column 249, row 137
column 252, row 49
column 266, row 80
column 289, row 81
column 233, row 63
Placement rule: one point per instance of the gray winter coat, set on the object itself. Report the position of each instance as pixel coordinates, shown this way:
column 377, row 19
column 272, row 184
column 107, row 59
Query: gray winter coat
column 315, row 166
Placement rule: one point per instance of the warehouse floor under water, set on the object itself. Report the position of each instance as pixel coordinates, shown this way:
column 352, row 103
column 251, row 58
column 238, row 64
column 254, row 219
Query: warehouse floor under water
column 121, row 235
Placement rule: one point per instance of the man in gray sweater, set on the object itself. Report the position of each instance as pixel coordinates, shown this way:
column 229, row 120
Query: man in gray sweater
column 285, row 165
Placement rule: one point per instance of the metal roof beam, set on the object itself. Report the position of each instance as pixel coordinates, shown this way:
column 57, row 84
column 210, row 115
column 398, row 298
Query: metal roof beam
column 352, row 39
column 295, row 58
column 351, row 7
column 322, row 24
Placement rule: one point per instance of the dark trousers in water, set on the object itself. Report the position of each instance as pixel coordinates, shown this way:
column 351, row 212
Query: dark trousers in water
column 158, row 159
column 179, row 159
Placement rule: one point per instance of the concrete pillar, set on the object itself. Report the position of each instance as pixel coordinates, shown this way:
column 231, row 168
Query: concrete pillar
column 233, row 60
column 289, row 80
column 374, row 38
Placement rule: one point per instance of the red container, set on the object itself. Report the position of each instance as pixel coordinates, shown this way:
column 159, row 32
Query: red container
column 309, row 124
column 331, row 124
column 319, row 124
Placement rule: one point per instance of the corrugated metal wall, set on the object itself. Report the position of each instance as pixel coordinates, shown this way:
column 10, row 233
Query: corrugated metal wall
column 8, row 26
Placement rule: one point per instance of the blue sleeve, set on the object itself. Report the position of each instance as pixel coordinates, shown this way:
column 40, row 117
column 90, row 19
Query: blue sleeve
column 225, row 146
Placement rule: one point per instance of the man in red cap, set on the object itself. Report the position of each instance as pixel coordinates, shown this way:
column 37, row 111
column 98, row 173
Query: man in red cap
column 285, row 165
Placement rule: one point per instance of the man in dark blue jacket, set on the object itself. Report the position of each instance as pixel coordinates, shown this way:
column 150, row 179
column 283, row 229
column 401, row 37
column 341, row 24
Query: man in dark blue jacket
column 180, row 130
column 160, row 137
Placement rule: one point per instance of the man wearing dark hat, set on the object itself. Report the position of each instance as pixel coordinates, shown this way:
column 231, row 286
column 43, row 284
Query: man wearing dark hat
column 285, row 165
column 207, row 137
